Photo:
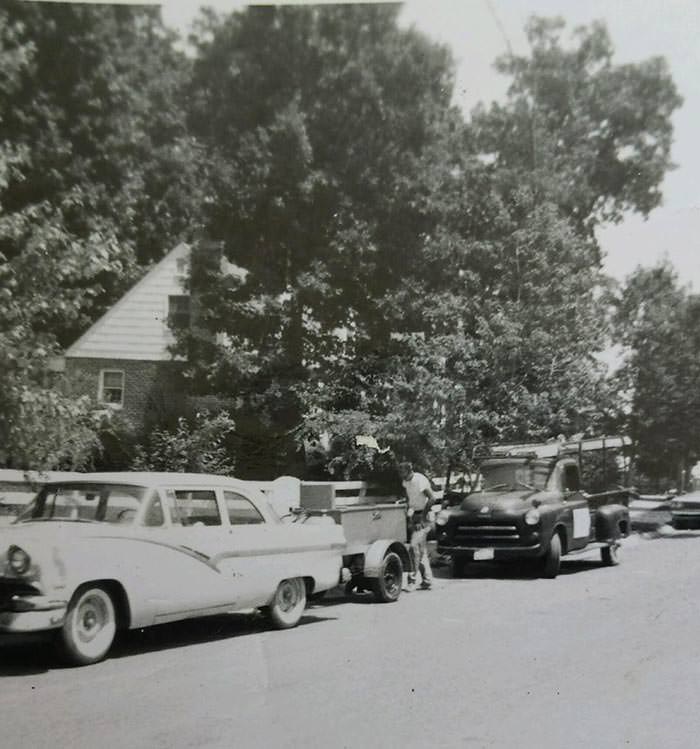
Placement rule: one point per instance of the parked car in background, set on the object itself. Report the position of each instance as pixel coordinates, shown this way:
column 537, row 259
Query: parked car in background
column 116, row 551
column 685, row 509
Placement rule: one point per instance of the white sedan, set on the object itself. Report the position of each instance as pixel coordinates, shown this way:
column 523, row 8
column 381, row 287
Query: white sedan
column 125, row 550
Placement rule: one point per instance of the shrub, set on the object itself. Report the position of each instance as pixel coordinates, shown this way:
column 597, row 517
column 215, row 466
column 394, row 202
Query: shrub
column 197, row 446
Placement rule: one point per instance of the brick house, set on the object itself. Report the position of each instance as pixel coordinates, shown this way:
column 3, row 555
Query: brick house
column 124, row 358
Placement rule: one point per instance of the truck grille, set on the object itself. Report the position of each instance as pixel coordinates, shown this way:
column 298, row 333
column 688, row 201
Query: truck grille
column 485, row 534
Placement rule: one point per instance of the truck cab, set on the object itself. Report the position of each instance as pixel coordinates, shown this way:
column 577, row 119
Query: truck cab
column 529, row 504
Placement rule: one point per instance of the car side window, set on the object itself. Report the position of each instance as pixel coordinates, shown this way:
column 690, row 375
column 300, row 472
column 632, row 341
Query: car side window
column 241, row 511
column 571, row 479
column 193, row 507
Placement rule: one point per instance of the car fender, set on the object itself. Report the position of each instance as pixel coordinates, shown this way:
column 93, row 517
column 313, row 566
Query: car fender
column 556, row 520
column 378, row 550
column 609, row 519
column 138, row 567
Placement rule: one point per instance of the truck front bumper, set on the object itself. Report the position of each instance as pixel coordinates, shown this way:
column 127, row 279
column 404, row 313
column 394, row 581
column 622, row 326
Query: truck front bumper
column 503, row 552
column 31, row 614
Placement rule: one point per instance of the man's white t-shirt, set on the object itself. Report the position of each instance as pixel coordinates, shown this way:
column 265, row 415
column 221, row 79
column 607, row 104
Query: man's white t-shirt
column 415, row 491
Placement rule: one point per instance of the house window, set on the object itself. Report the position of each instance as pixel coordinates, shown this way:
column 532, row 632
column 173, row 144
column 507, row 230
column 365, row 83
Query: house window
column 179, row 311
column 111, row 387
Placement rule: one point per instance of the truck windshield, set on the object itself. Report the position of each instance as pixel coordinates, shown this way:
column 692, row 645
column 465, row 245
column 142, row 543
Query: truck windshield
column 511, row 476
column 82, row 502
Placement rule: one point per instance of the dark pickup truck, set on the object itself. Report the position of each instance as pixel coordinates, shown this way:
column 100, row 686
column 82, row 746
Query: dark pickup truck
column 530, row 505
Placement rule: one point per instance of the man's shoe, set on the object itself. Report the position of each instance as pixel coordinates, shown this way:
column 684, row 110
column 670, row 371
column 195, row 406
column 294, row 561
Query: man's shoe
column 426, row 586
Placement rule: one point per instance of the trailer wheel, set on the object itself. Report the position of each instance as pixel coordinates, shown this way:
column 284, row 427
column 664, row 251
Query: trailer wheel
column 610, row 555
column 387, row 587
column 551, row 562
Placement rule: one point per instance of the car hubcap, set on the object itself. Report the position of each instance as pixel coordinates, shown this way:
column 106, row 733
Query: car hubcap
column 93, row 626
column 288, row 597
column 91, row 619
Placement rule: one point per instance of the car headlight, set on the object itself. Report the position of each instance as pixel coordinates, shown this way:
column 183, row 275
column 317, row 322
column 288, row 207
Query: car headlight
column 19, row 560
column 532, row 517
column 442, row 517
column 676, row 505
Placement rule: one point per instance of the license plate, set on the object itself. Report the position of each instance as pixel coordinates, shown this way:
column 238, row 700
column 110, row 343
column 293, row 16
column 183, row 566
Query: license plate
column 481, row 554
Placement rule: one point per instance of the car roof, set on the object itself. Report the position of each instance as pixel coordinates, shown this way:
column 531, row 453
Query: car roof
column 148, row 478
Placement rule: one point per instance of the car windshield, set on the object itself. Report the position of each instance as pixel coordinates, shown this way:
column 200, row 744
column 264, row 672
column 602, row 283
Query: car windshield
column 86, row 502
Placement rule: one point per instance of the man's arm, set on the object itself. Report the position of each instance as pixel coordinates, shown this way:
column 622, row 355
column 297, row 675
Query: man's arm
column 430, row 500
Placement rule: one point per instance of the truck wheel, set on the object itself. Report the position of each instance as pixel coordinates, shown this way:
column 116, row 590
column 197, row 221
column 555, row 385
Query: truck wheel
column 90, row 626
column 288, row 604
column 551, row 561
column 387, row 587
column 610, row 555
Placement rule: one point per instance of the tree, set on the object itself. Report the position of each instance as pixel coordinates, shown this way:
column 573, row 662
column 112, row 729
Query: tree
column 316, row 177
column 436, row 279
column 508, row 312
column 657, row 322
column 197, row 445
column 90, row 132
column 511, row 350
column 588, row 135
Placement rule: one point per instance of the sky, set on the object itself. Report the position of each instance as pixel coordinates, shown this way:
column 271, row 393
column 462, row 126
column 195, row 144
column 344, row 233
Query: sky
column 478, row 31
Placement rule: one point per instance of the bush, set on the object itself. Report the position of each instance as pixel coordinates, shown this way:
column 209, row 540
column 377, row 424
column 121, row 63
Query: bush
column 196, row 446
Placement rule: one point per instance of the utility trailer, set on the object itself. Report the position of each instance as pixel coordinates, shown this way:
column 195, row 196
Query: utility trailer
column 377, row 553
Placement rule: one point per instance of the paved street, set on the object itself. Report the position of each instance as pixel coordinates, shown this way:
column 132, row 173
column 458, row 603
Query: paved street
column 603, row 657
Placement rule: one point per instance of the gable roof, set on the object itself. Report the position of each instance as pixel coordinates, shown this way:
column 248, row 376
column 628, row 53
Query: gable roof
column 136, row 327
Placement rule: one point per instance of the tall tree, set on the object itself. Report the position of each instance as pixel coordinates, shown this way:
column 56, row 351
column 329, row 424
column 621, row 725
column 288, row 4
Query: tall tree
column 315, row 120
column 590, row 136
column 658, row 324
column 437, row 280
column 508, row 310
column 91, row 180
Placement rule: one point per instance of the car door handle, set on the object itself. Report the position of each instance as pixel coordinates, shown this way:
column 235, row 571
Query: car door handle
column 376, row 515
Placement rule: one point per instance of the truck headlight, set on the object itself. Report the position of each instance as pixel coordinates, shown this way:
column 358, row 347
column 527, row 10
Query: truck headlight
column 442, row 517
column 532, row 517
column 19, row 560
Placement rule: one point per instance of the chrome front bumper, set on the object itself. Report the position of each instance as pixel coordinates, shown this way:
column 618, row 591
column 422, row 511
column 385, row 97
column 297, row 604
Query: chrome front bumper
column 500, row 552
column 31, row 614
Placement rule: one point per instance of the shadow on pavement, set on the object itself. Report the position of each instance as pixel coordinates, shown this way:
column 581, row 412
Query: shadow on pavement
column 23, row 658
column 342, row 597
column 197, row 631
column 517, row 570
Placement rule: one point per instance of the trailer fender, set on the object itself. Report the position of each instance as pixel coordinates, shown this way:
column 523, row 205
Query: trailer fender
column 611, row 521
column 378, row 550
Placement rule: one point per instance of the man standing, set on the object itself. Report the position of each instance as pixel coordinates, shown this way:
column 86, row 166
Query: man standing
column 420, row 499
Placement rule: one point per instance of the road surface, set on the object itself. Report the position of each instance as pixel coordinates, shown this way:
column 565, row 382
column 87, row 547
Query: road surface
column 600, row 657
